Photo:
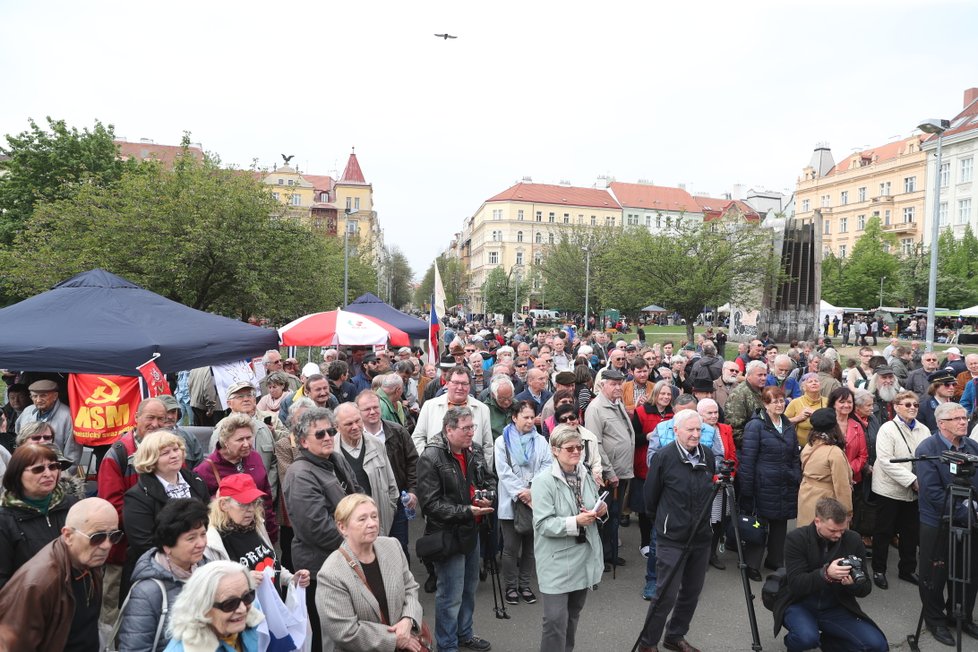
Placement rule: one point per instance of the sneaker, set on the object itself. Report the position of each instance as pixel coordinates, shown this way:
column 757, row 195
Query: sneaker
column 528, row 596
column 645, row 552
column 475, row 643
column 649, row 591
column 512, row 597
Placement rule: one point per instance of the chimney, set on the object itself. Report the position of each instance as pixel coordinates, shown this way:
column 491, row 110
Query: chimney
column 970, row 96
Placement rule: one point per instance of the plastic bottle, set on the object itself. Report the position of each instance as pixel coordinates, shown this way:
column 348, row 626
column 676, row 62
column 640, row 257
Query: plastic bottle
column 408, row 511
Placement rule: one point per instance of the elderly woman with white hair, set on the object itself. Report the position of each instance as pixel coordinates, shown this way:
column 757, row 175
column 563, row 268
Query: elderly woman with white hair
column 565, row 516
column 215, row 611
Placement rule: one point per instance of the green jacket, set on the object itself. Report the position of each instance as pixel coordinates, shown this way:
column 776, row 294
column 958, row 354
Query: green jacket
column 740, row 407
column 389, row 412
column 563, row 564
column 498, row 417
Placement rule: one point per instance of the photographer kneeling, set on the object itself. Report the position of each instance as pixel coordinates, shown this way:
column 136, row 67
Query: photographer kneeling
column 825, row 564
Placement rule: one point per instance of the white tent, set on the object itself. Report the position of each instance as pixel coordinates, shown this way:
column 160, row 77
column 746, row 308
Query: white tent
column 970, row 312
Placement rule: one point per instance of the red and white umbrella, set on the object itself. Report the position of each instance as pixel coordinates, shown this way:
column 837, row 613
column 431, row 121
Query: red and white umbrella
column 339, row 327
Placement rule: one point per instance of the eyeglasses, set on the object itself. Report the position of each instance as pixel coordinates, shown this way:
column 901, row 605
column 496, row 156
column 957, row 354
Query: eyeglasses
column 231, row 604
column 910, row 405
column 41, row 468
column 41, row 437
column 98, row 538
column 573, row 448
column 949, row 383
column 320, row 434
column 521, row 366
column 459, row 383
column 470, row 350
column 567, row 419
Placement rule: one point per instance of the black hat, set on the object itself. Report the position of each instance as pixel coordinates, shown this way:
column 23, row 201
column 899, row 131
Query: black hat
column 703, row 385
column 370, row 357
column 447, row 362
column 823, row 419
column 612, row 374
column 941, row 376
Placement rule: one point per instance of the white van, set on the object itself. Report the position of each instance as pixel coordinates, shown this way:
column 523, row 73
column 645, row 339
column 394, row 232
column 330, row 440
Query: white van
column 544, row 315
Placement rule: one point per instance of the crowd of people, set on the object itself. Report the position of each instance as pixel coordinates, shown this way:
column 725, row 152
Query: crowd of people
column 518, row 446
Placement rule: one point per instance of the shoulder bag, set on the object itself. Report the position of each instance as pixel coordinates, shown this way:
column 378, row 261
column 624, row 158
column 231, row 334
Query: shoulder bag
column 112, row 645
column 522, row 513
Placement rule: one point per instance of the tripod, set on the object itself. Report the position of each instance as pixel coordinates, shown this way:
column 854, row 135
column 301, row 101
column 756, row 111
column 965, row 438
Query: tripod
column 958, row 546
column 722, row 483
column 492, row 570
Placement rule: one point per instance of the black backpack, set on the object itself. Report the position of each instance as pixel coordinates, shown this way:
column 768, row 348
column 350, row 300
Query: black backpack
column 775, row 586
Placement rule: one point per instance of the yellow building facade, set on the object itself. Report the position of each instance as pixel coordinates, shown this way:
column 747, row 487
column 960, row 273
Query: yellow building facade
column 887, row 182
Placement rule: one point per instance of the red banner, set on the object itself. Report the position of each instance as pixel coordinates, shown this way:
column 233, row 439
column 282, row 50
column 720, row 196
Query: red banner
column 156, row 384
column 102, row 407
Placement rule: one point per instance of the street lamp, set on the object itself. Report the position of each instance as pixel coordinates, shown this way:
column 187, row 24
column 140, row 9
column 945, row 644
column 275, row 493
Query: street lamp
column 587, row 283
column 882, row 278
column 346, row 257
column 934, row 126
column 516, row 299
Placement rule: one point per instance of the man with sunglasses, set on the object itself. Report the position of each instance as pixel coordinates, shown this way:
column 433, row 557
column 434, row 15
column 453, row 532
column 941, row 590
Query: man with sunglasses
column 371, row 368
column 941, row 390
column 53, row 601
column 46, row 407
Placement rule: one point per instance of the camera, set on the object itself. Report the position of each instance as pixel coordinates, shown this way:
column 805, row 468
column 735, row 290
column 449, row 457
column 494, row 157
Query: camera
column 485, row 494
column 725, row 469
column 961, row 465
column 855, row 565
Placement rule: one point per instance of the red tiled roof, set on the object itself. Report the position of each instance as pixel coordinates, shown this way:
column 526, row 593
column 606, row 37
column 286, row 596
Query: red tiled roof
column 319, row 182
column 542, row 193
column 165, row 154
column 639, row 195
column 713, row 208
column 879, row 154
column 352, row 173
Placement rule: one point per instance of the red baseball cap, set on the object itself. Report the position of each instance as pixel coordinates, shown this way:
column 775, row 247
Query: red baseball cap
column 241, row 487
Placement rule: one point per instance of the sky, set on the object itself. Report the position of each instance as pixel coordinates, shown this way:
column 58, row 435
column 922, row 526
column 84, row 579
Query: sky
column 708, row 94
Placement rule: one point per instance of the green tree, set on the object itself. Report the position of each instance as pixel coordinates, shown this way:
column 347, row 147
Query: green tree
column 49, row 164
column 957, row 270
column 564, row 268
column 911, row 284
column 455, row 279
column 499, row 292
column 833, row 278
column 692, row 266
column 400, row 275
column 210, row 238
column 870, row 262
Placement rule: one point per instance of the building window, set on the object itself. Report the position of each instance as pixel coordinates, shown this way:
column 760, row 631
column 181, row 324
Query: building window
column 945, row 174
column 539, row 216
column 648, row 220
column 519, row 215
column 519, row 236
column 826, row 227
column 826, row 201
column 349, row 203
column 290, row 182
column 566, row 218
column 908, row 214
column 885, row 189
column 519, row 257
column 538, row 238
column 550, row 238
column 356, row 203
column 942, row 214
column 909, row 184
column 844, row 197
column 497, row 236
column 964, row 211
column 861, row 194
column 281, row 182
column 609, row 221
column 550, row 217
column 906, row 246
column 497, row 214
column 964, row 173
column 324, row 197
column 842, row 251
column 805, row 205
column 295, row 200
column 860, row 222
column 318, row 223
column 886, row 217
column 844, row 225
column 537, row 258
column 493, row 257
column 275, row 196
column 594, row 220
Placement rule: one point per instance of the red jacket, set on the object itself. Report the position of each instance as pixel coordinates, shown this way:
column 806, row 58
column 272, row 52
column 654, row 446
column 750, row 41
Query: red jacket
column 644, row 421
column 113, row 484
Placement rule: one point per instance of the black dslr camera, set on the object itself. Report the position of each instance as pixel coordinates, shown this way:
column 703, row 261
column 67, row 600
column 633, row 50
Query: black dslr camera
column 485, row 494
column 725, row 469
column 961, row 465
column 855, row 565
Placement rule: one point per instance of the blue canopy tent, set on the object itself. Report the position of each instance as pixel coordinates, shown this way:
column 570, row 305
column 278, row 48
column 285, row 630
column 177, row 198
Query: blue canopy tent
column 371, row 304
column 97, row 322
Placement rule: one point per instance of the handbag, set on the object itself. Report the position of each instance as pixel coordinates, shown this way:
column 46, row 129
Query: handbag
column 437, row 546
column 522, row 517
column 113, row 646
column 422, row 636
column 775, row 586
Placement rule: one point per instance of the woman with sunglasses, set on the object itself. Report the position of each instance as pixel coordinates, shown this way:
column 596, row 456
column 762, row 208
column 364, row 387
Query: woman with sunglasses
column 520, row 454
column 34, row 505
column 42, row 432
column 895, row 489
column 561, row 397
column 162, row 478
column 367, row 595
column 315, row 484
column 565, row 516
column 236, row 530
column 215, row 612
column 179, row 540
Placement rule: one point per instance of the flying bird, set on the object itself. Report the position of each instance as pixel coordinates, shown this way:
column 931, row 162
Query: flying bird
column 287, row 158
column 445, row 36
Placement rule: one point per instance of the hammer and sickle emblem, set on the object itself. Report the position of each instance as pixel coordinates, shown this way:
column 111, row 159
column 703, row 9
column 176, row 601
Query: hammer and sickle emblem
column 107, row 393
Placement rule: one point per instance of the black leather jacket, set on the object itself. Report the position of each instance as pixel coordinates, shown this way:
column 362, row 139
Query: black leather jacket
column 443, row 492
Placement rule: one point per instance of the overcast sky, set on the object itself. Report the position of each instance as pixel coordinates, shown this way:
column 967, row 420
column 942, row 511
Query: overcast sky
column 709, row 94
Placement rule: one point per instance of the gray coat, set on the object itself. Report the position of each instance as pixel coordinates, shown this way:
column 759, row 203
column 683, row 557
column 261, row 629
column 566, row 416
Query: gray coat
column 383, row 484
column 350, row 614
column 312, row 490
column 616, row 438
column 142, row 614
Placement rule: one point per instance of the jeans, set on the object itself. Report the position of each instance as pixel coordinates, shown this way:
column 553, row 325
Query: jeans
column 458, row 579
column 813, row 623
column 399, row 529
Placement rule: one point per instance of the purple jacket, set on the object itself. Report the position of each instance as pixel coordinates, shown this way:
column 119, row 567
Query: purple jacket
column 253, row 466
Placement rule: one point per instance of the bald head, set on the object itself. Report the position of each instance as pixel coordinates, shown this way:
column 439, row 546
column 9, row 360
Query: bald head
column 346, row 409
column 149, row 403
column 84, row 512
column 87, row 532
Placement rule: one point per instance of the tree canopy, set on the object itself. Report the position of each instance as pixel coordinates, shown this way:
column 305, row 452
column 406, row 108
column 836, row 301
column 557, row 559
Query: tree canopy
column 499, row 291
column 399, row 276
column 454, row 278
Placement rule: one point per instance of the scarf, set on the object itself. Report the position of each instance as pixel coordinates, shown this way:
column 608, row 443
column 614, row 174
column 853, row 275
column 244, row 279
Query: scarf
column 523, row 449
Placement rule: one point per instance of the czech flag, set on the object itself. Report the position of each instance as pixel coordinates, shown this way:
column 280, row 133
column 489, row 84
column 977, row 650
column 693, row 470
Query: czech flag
column 433, row 328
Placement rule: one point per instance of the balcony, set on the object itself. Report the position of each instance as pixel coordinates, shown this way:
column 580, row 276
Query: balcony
column 900, row 227
column 883, row 199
